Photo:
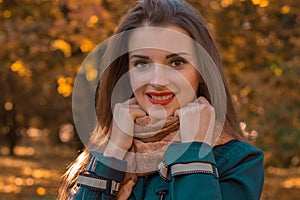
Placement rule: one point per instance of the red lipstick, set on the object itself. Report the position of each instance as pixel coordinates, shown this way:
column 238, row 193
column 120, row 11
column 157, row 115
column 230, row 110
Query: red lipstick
column 160, row 98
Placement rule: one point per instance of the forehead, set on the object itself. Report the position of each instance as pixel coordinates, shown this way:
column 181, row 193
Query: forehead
column 170, row 39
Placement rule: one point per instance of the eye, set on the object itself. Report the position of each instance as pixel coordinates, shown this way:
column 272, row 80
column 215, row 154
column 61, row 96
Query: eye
column 177, row 62
column 141, row 64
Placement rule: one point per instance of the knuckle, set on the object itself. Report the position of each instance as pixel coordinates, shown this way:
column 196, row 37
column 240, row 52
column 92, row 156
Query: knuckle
column 118, row 106
column 202, row 98
column 184, row 112
column 131, row 113
column 207, row 108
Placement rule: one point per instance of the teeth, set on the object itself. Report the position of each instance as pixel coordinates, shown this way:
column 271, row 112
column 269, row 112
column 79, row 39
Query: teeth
column 161, row 98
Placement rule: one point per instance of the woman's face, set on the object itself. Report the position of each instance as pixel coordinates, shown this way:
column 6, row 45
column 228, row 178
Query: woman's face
column 161, row 80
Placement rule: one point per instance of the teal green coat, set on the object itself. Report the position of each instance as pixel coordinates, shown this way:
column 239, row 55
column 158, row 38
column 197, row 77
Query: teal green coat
column 239, row 174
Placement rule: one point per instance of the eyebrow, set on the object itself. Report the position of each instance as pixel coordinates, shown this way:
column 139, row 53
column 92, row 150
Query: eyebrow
column 167, row 56
column 176, row 54
column 139, row 56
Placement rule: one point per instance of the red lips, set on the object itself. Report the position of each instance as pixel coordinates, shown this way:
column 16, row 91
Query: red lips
column 160, row 98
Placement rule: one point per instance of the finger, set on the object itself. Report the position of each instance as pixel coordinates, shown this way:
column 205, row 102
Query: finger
column 192, row 104
column 203, row 100
column 177, row 113
column 135, row 107
column 137, row 113
column 132, row 101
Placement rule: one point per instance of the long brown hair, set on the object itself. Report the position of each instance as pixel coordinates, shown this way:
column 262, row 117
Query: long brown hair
column 151, row 13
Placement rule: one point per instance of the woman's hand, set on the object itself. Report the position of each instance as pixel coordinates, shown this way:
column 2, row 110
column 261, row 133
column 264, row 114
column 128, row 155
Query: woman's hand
column 121, row 137
column 197, row 120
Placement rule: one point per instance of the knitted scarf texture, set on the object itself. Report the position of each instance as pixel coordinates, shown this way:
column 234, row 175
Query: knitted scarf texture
column 151, row 140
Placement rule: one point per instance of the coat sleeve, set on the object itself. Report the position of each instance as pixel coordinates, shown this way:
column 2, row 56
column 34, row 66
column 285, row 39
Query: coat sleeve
column 100, row 179
column 193, row 173
column 242, row 175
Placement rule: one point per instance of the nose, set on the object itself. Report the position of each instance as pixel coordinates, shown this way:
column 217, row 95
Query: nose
column 159, row 76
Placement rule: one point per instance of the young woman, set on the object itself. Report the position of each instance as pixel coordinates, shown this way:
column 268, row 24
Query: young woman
column 165, row 140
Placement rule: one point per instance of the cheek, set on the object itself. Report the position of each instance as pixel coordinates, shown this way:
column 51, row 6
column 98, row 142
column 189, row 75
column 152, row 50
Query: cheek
column 137, row 80
column 138, row 89
column 191, row 81
column 188, row 87
column 140, row 97
column 138, row 93
column 193, row 78
column 195, row 83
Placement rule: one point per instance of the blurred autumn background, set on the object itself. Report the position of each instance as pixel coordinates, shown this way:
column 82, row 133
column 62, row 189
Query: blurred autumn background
column 45, row 41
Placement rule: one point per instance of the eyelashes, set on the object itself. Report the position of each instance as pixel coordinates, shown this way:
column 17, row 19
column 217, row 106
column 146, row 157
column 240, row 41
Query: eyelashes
column 141, row 64
column 176, row 63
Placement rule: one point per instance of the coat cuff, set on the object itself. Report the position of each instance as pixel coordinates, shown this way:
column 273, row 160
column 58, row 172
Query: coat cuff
column 188, row 158
column 109, row 168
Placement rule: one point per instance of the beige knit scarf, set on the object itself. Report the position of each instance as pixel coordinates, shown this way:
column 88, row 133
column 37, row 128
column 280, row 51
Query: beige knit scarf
column 151, row 140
